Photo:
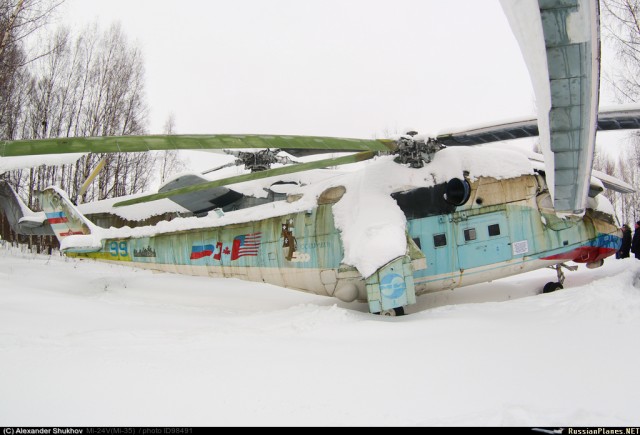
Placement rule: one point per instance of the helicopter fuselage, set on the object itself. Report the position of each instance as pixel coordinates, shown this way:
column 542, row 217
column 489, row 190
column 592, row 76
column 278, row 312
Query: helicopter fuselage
column 492, row 228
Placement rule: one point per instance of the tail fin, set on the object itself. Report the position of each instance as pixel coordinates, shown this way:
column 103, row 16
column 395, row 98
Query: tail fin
column 74, row 231
column 22, row 220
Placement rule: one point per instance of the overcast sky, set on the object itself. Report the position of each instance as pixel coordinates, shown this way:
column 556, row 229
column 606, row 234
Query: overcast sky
column 331, row 67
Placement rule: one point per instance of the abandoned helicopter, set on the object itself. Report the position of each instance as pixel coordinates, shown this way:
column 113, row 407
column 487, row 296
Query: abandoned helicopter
column 415, row 214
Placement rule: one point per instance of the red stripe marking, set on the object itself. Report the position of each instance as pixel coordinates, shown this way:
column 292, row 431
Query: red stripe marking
column 72, row 233
column 57, row 220
column 584, row 254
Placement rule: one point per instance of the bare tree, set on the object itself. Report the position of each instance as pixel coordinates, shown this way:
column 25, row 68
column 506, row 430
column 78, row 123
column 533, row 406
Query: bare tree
column 19, row 19
column 633, row 177
column 90, row 85
column 169, row 161
column 621, row 29
column 603, row 163
column 621, row 33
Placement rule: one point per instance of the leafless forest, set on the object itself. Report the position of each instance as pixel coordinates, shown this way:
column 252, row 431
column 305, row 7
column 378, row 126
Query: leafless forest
column 59, row 82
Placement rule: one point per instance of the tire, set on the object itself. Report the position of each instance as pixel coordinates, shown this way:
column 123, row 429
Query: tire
column 549, row 287
column 393, row 312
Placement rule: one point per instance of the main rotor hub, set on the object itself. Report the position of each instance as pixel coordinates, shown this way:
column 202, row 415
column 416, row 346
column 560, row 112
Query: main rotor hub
column 259, row 160
column 416, row 152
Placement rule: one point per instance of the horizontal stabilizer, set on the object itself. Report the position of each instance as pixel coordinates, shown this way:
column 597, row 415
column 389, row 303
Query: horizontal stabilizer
column 35, row 221
column 22, row 220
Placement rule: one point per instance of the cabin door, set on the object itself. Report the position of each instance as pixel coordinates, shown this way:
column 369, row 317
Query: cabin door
column 483, row 240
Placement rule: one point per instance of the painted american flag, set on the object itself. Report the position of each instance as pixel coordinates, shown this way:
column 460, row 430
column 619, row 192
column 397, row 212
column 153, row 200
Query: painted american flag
column 245, row 245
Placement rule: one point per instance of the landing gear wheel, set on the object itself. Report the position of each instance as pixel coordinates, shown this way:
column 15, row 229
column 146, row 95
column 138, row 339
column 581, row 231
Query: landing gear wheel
column 551, row 287
column 393, row 312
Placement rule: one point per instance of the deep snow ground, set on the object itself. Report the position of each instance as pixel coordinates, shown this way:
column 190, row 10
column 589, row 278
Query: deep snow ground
column 85, row 343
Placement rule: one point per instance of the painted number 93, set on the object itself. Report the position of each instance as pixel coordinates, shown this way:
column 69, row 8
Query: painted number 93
column 118, row 249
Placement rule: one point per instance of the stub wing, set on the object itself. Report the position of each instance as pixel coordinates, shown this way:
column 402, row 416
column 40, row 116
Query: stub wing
column 608, row 181
column 560, row 42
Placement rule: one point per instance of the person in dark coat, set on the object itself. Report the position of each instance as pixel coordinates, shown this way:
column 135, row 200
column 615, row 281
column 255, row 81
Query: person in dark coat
column 626, row 242
column 635, row 242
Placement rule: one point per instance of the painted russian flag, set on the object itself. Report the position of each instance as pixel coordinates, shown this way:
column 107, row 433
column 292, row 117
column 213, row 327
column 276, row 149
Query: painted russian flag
column 247, row 244
column 199, row 251
column 56, row 217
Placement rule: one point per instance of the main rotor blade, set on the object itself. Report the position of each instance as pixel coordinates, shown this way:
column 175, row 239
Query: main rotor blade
column 217, row 168
column 611, row 118
column 359, row 157
column 517, row 129
column 114, row 144
column 92, row 176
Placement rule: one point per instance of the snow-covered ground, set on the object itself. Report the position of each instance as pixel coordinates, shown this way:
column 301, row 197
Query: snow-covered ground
column 84, row 343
